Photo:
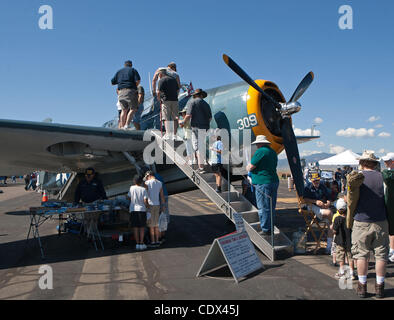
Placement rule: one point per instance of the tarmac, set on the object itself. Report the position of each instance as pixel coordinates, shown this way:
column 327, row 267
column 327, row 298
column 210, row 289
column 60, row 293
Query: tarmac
column 165, row 273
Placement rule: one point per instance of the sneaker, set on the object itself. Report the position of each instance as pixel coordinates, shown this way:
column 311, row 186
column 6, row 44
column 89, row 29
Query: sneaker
column 391, row 259
column 201, row 170
column 362, row 290
column 379, row 289
column 218, row 190
column 143, row 247
column 339, row 275
column 138, row 247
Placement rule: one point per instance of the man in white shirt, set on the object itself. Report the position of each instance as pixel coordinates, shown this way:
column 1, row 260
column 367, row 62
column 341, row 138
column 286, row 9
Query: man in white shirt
column 155, row 193
column 138, row 208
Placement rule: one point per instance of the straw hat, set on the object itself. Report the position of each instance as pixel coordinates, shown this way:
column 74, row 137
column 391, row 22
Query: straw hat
column 369, row 156
column 261, row 140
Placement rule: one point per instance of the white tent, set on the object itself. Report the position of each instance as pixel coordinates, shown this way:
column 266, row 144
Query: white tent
column 347, row 158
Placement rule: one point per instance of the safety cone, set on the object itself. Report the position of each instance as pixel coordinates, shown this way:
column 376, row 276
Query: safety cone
column 44, row 197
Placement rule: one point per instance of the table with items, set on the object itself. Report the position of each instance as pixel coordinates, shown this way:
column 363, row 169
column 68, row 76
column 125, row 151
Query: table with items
column 107, row 218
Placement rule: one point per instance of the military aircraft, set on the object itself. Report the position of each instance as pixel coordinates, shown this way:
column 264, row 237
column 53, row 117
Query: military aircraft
column 117, row 154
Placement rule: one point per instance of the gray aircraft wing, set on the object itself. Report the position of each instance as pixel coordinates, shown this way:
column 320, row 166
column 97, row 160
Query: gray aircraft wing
column 303, row 139
column 30, row 146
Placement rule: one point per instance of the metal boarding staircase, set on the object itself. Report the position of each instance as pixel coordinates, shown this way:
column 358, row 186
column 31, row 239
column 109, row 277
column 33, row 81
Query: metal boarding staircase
column 229, row 201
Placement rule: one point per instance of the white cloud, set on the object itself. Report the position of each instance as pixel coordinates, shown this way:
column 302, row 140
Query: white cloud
column 336, row 149
column 373, row 119
column 307, row 132
column 378, row 126
column 320, row 144
column 307, row 153
column 382, row 151
column 384, row 135
column 318, row 120
column 358, row 133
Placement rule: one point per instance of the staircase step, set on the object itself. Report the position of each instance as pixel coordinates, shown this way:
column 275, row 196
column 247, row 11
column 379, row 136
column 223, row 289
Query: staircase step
column 251, row 216
column 234, row 196
column 241, row 206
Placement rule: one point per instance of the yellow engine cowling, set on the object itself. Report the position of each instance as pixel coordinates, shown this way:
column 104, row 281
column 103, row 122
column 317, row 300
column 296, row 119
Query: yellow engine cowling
column 255, row 106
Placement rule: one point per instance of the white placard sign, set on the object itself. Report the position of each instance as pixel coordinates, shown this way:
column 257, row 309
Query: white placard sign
column 239, row 222
column 236, row 251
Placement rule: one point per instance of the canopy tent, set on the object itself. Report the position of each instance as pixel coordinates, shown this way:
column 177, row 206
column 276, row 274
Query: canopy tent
column 347, row 158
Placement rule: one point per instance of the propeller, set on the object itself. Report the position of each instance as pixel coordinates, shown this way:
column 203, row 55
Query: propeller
column 285, row 110
column 238, row 70
column 304, row 84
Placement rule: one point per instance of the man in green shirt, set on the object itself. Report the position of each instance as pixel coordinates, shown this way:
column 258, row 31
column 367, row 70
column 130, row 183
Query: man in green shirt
column 265, row 180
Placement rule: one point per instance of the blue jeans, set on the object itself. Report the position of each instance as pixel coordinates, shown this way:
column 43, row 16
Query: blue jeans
column 264, row 203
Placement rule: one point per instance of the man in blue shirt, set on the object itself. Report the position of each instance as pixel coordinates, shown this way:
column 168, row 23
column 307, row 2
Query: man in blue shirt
column 127, row 80
column 318, row 200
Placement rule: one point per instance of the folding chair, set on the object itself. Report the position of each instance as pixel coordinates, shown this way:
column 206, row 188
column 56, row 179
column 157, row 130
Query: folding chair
column 311, row 220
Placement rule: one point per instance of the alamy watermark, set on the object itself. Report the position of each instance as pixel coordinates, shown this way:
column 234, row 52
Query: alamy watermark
column 345, row 22
column 345, row 282
column 45, row 22
column 236, row 147
column 46, row 280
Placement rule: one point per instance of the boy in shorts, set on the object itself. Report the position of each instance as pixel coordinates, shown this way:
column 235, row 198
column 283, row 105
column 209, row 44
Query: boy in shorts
column 343, row 241
column 138, row 208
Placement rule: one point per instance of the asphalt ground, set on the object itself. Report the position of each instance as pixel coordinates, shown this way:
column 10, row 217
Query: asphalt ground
column 160, row 274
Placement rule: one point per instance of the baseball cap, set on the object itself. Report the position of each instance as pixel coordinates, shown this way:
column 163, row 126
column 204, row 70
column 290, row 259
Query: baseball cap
column 89, row 171
column 341, row 204
column 388, row 157
column 315, row 177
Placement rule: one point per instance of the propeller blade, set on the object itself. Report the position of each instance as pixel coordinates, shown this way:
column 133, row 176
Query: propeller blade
column 304, row 84
column 293, row 156
column 238, row 70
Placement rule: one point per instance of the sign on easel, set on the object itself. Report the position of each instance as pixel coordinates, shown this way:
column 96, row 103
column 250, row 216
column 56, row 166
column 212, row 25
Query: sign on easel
column 235, row 251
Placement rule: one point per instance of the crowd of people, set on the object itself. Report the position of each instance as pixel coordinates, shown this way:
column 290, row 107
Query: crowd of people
column 148, row 205
column 364, row 218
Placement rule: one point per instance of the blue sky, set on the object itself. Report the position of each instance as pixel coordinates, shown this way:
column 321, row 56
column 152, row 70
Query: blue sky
column 65, row 73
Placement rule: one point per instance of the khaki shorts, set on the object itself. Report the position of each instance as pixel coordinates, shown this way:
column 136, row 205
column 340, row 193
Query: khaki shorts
column 128, row 99
column 341, row 252
column 170, row 110
column 199, row 141
column 370, row 237
column 154, row 219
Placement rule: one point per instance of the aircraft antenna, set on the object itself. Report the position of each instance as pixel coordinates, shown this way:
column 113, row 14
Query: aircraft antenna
column 150, row 84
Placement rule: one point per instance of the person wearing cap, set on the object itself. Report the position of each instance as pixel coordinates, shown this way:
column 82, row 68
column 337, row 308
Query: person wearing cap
column 127, row 80
column 200, row 115
column 370, row 227
column 317, row 197
column 265, row 180
column 167, row 93
column 171, row 71
column 90, row 188
column 155, row 197
column 343, row 240
column 388, row 178
column 187, row 129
